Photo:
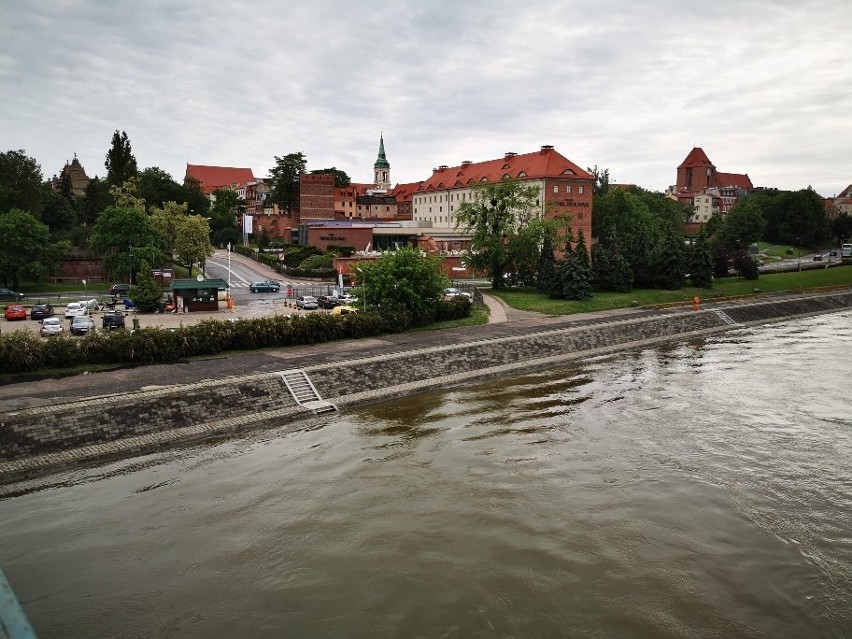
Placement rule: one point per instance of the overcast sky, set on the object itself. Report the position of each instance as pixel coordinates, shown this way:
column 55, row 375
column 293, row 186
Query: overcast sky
column 764, row 87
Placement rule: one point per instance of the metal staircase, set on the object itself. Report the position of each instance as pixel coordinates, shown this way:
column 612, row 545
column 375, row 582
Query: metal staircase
column 725, row 317
column 304, row 392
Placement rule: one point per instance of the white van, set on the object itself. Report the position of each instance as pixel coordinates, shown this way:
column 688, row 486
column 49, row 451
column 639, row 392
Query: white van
column 846, row 250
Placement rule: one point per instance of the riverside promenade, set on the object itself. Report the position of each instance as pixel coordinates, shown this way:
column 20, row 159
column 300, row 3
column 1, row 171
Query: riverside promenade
column 51, row 424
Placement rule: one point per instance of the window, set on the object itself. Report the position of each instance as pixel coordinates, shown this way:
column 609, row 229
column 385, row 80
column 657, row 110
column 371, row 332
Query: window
column 580, row 190
column 580, row 215
column 568, row 189
column 556, row 188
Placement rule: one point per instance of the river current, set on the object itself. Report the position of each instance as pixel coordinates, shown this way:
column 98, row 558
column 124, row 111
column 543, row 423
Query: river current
column 698, row 489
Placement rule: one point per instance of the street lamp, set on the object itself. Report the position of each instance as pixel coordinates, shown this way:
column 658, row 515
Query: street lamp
column 798, row 255
column 358, row 268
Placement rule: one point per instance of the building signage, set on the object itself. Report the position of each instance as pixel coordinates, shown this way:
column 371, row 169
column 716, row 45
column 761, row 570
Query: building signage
column 332, row 238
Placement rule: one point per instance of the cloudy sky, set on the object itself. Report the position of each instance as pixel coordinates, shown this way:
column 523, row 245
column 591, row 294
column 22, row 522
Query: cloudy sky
column 764, row 86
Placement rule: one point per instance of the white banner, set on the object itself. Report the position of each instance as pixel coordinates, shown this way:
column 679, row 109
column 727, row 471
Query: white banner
column 248, row 224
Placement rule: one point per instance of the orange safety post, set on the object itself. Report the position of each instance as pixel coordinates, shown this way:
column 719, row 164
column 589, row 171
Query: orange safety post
column 695, row 302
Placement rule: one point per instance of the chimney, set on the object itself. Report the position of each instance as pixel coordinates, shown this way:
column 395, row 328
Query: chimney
column 466, row 162
column 443, row 167
column 509, row 154
column 546, row 148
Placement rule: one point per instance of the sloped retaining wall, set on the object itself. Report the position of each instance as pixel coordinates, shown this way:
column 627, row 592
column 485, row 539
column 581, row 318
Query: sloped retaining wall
column 47, row 438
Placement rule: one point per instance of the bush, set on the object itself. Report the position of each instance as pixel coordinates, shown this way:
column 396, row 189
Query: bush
column 20, row 352
column 317, row 261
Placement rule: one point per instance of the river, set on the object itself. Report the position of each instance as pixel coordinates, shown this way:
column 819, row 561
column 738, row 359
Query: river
column 700, row 489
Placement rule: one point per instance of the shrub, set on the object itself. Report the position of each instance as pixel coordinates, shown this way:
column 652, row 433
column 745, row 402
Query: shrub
column 316, row 262
column 21, row 351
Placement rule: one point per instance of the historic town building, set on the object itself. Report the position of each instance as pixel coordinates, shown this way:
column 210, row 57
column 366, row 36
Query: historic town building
column 75, row 173
column 708, row 191
column 566, row 189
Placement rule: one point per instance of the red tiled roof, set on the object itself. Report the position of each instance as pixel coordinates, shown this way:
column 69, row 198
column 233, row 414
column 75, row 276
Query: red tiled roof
column 738, row 180
column 404, row 192
column 528, row 166
column 217, row 177
column 696, row 157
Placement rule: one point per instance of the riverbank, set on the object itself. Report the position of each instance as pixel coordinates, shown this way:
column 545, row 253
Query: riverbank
column 53, row 424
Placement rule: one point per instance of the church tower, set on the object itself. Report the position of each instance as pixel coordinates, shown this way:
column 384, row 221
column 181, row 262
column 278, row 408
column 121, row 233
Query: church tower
column 381, row 169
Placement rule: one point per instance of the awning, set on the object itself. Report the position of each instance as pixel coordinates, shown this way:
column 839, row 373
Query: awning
column 186, row 285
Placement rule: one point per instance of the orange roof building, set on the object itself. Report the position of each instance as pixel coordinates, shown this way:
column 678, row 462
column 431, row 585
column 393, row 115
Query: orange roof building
column 566, row 188
column 219, row 177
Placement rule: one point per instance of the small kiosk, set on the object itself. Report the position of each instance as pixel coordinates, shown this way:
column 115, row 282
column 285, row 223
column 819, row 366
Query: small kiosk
column 198, row 294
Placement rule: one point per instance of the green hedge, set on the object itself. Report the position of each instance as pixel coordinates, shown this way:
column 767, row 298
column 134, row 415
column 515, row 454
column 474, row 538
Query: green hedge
column 21, row 351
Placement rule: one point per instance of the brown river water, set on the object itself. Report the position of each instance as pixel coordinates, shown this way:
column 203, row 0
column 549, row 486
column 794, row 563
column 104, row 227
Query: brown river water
column 700, row 489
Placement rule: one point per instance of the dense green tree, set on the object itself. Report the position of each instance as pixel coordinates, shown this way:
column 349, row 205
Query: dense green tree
column 641, row 256
column 123, row 237
column 20, row 183
column 192, row 242
column 227, row 205
column 120, row 162
column 745, row 265
column 156, row 187
column 701, row 262
column 147, row 295
column 670, row 261
column 262, row 239
column 721, row 260
column 601, row 186
column 402, row 278
column 546, row 264
column 792, row 214
column 95, row 200
column 610, row 269
column 573, row 279
column 199, row 204
column 167, row 220
column 494, row 214
column 743, row 225
column 58, row 212
column 284, row 180
column 841, row 227
column 341, row 179
column 26, row 251
column 126, row 195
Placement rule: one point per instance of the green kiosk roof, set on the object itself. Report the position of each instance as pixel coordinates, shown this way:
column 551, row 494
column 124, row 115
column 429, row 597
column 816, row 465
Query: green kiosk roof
column 186, row 285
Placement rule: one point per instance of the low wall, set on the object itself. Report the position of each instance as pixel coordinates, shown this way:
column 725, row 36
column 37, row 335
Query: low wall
column 44, row 439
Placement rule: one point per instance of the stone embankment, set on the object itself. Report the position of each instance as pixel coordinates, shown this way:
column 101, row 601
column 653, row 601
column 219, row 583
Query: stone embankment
column 41, row 439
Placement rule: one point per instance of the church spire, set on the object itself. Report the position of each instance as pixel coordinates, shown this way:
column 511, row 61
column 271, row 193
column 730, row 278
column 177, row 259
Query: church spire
column 381, row 169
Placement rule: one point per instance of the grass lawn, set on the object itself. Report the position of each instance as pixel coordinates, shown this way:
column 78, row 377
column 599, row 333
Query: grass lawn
column 479, row 315
column 528, row 299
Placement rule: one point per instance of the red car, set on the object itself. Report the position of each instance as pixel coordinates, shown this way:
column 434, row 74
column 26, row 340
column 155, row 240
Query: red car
column 15, row 312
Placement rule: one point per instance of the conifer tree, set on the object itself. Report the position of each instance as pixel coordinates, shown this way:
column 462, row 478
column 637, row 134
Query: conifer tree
column 546, row 264
column 701, row 262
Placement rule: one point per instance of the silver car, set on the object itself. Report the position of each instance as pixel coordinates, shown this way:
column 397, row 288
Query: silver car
column 51, row 326
column 307, row 302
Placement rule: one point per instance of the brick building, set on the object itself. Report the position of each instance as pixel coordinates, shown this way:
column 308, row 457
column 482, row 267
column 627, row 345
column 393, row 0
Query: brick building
column 566, row 189
column 709, row 191
column 76, row 174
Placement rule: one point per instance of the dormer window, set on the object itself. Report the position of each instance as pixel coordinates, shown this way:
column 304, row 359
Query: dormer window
column 568, row 172
column 522, row 174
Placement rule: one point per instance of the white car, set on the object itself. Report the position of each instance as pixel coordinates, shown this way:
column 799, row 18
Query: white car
column 75, row 309
column 51, row 326
column 307, row 302
column 347, row 299
column 452, row 292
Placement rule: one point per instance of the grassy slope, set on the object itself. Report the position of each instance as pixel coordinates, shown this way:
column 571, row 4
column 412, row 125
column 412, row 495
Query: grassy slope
column 528, row 299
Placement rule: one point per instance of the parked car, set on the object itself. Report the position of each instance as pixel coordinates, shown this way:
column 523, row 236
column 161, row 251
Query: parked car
column 15, row 312
column 832, row 253
column 328, row 301
column 112, row 320
column 307, row 302
column 344, row 309
column 119, row 290
column 51, row 326
column 75, row 309
column 452, row 292
column 40, row 311
column 265, row 286
column 82, row 325
column 346, row 298
column 9, row 294
column 818, row 257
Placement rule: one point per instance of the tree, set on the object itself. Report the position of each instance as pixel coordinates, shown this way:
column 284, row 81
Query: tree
column 167, row 220
column 744, row 224
column 95, row 200
column 26, row 250
column 58, row 212
column 20, row 183
column 223, row 216
column 841, row 227
column 262, row 239
column 601, row 179
column 574, row 274
column 745, row 266
column 156, row 187
column 341, row 179
column 670, row 263
column 120, row 161
column 721, row 260
column 123, row 237
column 147, row 295
column 194, row 197
column 192, row 243
column 610, row 270
column 494, row 213
column 284, row 180
column 701, row 262
column 546, row 264
column 403, row 278
column 126, row 195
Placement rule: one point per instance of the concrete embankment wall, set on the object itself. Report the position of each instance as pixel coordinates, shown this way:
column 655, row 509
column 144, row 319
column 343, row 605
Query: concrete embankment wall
column 44, row 439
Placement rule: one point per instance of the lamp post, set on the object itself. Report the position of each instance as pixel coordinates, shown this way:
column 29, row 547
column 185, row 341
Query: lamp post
column 358, row 268
column 798, row 255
